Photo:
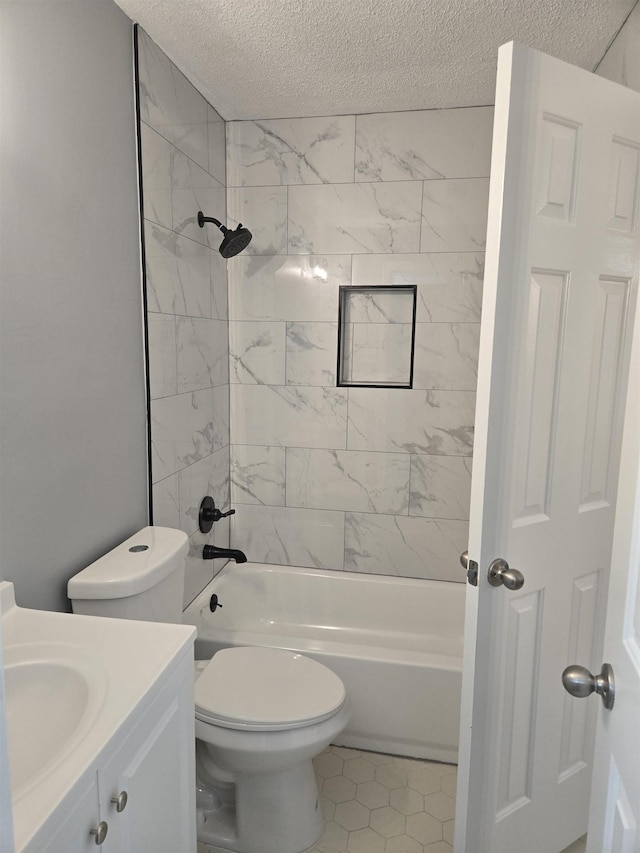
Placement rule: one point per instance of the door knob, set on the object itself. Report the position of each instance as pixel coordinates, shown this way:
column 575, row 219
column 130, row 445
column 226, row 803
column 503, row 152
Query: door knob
column 578, row 681
column 471, row 566
column 499, row 574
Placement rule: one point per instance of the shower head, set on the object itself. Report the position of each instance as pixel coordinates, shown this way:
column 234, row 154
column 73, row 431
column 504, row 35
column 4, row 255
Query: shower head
column 234, row 241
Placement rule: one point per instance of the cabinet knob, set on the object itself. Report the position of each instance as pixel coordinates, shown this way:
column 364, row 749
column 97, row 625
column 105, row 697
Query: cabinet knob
column 100, row 832
column 120, row 802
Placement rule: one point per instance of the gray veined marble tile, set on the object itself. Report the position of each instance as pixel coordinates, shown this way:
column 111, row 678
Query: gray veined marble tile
column 208, row 476
column 291, row 151
column 446, row 356
column 379, row 305
column 289, row 536
column 263, row 210
column 198, row 572
column 191, row 140
column 170, row 103
column 355, row 218
column 285, row 288
column 449, row 284
column 219, row 289
column 440, row 486
column 378, row 353
column 431, row 422
column 203, row 353
column 177, row 272
column 454, row 292
column 407, row 547
column 312, row 353
column 289, row 416
column 193, row 189
column 182, row 432
column 163, row 376
column 221, row 417
column 165, row 497
column 156, row 176
column 424, row 144
column 216, row 130
column 454, row 215
column 257, row 475
column 348, row 480
column 257, row 352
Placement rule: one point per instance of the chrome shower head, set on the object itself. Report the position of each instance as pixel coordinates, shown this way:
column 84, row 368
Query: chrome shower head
column 234, row 241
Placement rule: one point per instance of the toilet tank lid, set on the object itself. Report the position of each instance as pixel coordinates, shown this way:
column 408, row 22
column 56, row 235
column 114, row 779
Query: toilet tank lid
column 134, row 566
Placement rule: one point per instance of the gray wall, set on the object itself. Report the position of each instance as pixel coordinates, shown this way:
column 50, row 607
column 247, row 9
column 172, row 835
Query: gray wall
column 73, row 453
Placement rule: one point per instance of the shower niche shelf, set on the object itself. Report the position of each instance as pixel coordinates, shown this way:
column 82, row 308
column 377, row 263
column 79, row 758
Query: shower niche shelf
column 376, row 336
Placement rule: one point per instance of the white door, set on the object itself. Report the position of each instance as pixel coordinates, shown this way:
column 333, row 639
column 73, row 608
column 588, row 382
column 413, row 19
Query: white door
column 614, row 813
column 560, row 284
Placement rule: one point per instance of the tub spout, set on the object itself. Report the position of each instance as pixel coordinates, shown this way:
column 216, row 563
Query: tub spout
column 211, row 552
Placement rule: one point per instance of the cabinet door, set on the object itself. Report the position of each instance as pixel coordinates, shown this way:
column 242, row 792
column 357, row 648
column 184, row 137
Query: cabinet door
column 155, row 768
column 73, row 834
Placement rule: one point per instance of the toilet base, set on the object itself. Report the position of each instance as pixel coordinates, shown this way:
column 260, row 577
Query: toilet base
column 273, row 813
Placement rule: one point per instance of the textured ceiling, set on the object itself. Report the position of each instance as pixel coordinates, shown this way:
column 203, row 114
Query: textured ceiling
column 277, row 58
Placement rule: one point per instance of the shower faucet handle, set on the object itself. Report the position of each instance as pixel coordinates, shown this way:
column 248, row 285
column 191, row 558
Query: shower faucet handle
column 209, row 514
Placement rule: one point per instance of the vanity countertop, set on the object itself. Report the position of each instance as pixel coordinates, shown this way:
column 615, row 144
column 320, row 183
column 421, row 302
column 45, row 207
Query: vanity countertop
column 71, row 684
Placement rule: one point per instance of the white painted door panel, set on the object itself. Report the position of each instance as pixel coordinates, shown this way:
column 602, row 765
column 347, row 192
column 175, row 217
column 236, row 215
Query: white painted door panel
column 614, row 813
column 560, row 283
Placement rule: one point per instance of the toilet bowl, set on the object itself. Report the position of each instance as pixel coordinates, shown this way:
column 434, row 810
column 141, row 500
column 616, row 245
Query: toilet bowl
column 261, row 714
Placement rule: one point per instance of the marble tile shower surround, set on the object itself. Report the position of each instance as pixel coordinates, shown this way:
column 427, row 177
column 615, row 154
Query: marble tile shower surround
column 364, row 479
column 184, row 170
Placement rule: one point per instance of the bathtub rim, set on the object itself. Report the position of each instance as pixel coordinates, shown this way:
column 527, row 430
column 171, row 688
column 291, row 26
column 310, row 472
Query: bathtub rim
column 194, row 615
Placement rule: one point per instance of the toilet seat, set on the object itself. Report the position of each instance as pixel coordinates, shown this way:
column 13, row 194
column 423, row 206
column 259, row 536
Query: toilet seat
column 264, row 689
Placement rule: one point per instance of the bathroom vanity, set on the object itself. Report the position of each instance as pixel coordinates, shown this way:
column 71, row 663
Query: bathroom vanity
column 100, row 729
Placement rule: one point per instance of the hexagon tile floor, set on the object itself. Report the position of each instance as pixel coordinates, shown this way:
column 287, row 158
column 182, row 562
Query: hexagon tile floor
column 375, row 803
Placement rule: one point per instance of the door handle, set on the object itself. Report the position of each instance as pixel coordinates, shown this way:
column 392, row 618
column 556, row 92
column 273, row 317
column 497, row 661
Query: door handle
column 578, row 681
column 499, row 574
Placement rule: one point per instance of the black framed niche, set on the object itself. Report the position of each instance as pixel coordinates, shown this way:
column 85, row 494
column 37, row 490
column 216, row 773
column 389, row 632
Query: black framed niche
column 376, row 336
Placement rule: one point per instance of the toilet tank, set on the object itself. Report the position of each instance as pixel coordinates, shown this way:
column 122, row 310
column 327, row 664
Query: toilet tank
column 142, row 578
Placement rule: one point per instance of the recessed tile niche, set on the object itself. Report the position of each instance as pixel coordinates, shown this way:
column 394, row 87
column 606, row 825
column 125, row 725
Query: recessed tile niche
column 376, row 336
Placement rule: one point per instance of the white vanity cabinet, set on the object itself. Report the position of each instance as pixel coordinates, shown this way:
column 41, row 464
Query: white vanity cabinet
column 150, row 777
column 146, row 770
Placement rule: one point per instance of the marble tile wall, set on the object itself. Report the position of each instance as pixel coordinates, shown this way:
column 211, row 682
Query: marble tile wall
column 184, row 170
column 365, row 479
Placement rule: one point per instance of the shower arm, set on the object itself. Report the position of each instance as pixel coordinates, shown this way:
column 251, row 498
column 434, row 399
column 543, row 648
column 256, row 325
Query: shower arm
column 233, row 241
column 202, row 219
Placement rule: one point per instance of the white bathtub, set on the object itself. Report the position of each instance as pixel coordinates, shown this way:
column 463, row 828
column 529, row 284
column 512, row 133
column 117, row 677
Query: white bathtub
column 395, row 642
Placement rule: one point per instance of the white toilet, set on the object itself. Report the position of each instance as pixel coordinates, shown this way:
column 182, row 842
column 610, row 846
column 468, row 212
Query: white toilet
column 261, row 714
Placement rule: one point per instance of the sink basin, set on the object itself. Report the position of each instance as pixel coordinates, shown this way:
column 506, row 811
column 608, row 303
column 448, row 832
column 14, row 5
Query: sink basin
column 53, row 695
